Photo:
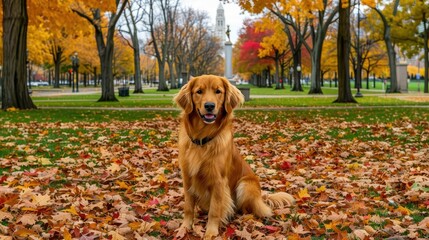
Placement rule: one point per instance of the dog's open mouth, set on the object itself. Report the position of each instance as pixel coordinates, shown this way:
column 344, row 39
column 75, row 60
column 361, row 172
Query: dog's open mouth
column 208, row 117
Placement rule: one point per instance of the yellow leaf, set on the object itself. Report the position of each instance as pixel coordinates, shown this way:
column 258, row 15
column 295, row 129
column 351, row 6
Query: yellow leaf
column 29, row 209
column 321, row 189
column 303, row 193
column 71, row 210
column 44, row 161
column 403, row 210
column 122, row 185
column 67, row 235
column 370, row 3
column 353, row 166
column 12, row 109
column 345, row 3
column 134, row 225
column 23, row 232
column 161, row 178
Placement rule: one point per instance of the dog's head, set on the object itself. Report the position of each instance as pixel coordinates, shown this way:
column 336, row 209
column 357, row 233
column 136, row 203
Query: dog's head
column 208, row 96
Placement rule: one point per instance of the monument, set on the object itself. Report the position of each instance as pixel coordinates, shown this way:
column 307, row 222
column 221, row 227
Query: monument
column 402, row 76
column 228, row 55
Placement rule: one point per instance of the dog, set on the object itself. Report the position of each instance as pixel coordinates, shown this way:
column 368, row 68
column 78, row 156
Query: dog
column 215, row 177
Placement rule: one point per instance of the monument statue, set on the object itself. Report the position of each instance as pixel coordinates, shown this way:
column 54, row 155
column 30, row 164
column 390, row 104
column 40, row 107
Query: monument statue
column 228, row 31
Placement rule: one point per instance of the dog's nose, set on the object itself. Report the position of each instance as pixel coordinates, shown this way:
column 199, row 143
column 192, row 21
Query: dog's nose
column 209, row 106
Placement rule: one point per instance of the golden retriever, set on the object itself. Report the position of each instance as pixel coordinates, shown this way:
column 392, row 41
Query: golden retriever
column 215, row 177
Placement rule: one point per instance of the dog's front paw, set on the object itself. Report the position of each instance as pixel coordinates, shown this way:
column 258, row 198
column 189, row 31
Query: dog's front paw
column 211, row 233
column 182, row 231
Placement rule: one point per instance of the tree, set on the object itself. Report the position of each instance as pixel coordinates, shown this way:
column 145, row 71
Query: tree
column 415, row 16
column 133, row 15
column 387, row 35
column 249, row 44
column 160, row 23
column 15, row 24
column 343, row 52
column 274, row 46
column 63, row 33
column 93, row 14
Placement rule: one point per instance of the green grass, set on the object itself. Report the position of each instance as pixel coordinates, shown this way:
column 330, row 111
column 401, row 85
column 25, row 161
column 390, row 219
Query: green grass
column 271, row 98
column 73, row 115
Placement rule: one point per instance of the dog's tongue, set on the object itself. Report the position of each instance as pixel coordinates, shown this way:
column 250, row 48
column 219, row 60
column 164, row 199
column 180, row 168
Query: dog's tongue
column 209, row 116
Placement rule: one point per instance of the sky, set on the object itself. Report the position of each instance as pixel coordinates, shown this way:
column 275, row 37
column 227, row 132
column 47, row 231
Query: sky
column 233, row 13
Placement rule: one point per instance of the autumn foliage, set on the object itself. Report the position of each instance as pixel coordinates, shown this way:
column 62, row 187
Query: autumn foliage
column 114, row 179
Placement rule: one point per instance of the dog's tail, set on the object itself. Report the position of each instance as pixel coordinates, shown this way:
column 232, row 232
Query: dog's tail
column 279, row 200
column 249, row 198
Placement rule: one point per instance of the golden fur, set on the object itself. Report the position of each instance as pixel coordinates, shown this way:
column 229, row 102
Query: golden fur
column 215, row 177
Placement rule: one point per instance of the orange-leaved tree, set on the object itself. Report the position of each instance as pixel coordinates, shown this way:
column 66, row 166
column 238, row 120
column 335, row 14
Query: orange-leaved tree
column 102, row 15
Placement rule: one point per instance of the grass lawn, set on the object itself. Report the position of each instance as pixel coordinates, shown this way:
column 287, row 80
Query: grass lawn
column 99, row 173
column 259, row 97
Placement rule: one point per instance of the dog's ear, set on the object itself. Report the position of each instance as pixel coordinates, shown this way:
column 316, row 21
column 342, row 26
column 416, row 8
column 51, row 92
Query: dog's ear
column 184, row 97
column 233, row 96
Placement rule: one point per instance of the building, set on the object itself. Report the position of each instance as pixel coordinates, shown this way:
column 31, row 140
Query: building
column 220, row 27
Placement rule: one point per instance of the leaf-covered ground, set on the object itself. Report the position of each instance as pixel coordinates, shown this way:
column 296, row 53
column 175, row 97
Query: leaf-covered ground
column 120, row 179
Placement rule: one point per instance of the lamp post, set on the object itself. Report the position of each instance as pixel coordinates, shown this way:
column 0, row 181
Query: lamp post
column 75, row 80
column 298, row 69
column 28, row 69
column 291, row 74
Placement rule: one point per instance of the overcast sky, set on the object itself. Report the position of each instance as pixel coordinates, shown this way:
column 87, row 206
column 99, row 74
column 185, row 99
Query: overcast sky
column 233, row 15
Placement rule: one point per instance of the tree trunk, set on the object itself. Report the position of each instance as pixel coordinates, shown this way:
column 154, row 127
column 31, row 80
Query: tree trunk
column 106, row 59
column 343, row 49
column 57, row 53
column 14, row 87
column 138, row 87
column 394, row 88
column 315, row 79
column 162, row 86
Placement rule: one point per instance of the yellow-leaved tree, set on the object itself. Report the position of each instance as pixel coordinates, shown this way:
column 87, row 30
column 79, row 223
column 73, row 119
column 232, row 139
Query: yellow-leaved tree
column 274, row 46
column 103, row 15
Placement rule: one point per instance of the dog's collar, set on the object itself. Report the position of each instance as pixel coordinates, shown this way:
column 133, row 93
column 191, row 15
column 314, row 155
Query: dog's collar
column 202, row 141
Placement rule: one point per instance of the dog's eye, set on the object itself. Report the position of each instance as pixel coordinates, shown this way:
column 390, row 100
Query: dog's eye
column 199, row 91
column 218, row 91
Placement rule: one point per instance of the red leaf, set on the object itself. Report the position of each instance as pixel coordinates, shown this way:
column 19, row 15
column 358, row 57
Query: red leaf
column 153, row 202
column 230, row 231
column 349, row 197
column 147, row 218
column 2, row 179
column 286, row 165
column 272, row 228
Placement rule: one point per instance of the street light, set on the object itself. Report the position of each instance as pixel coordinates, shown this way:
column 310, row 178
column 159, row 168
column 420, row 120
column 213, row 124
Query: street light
column 291, row 74
column 28, row 68
column 75, row 64
column 298, row 69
